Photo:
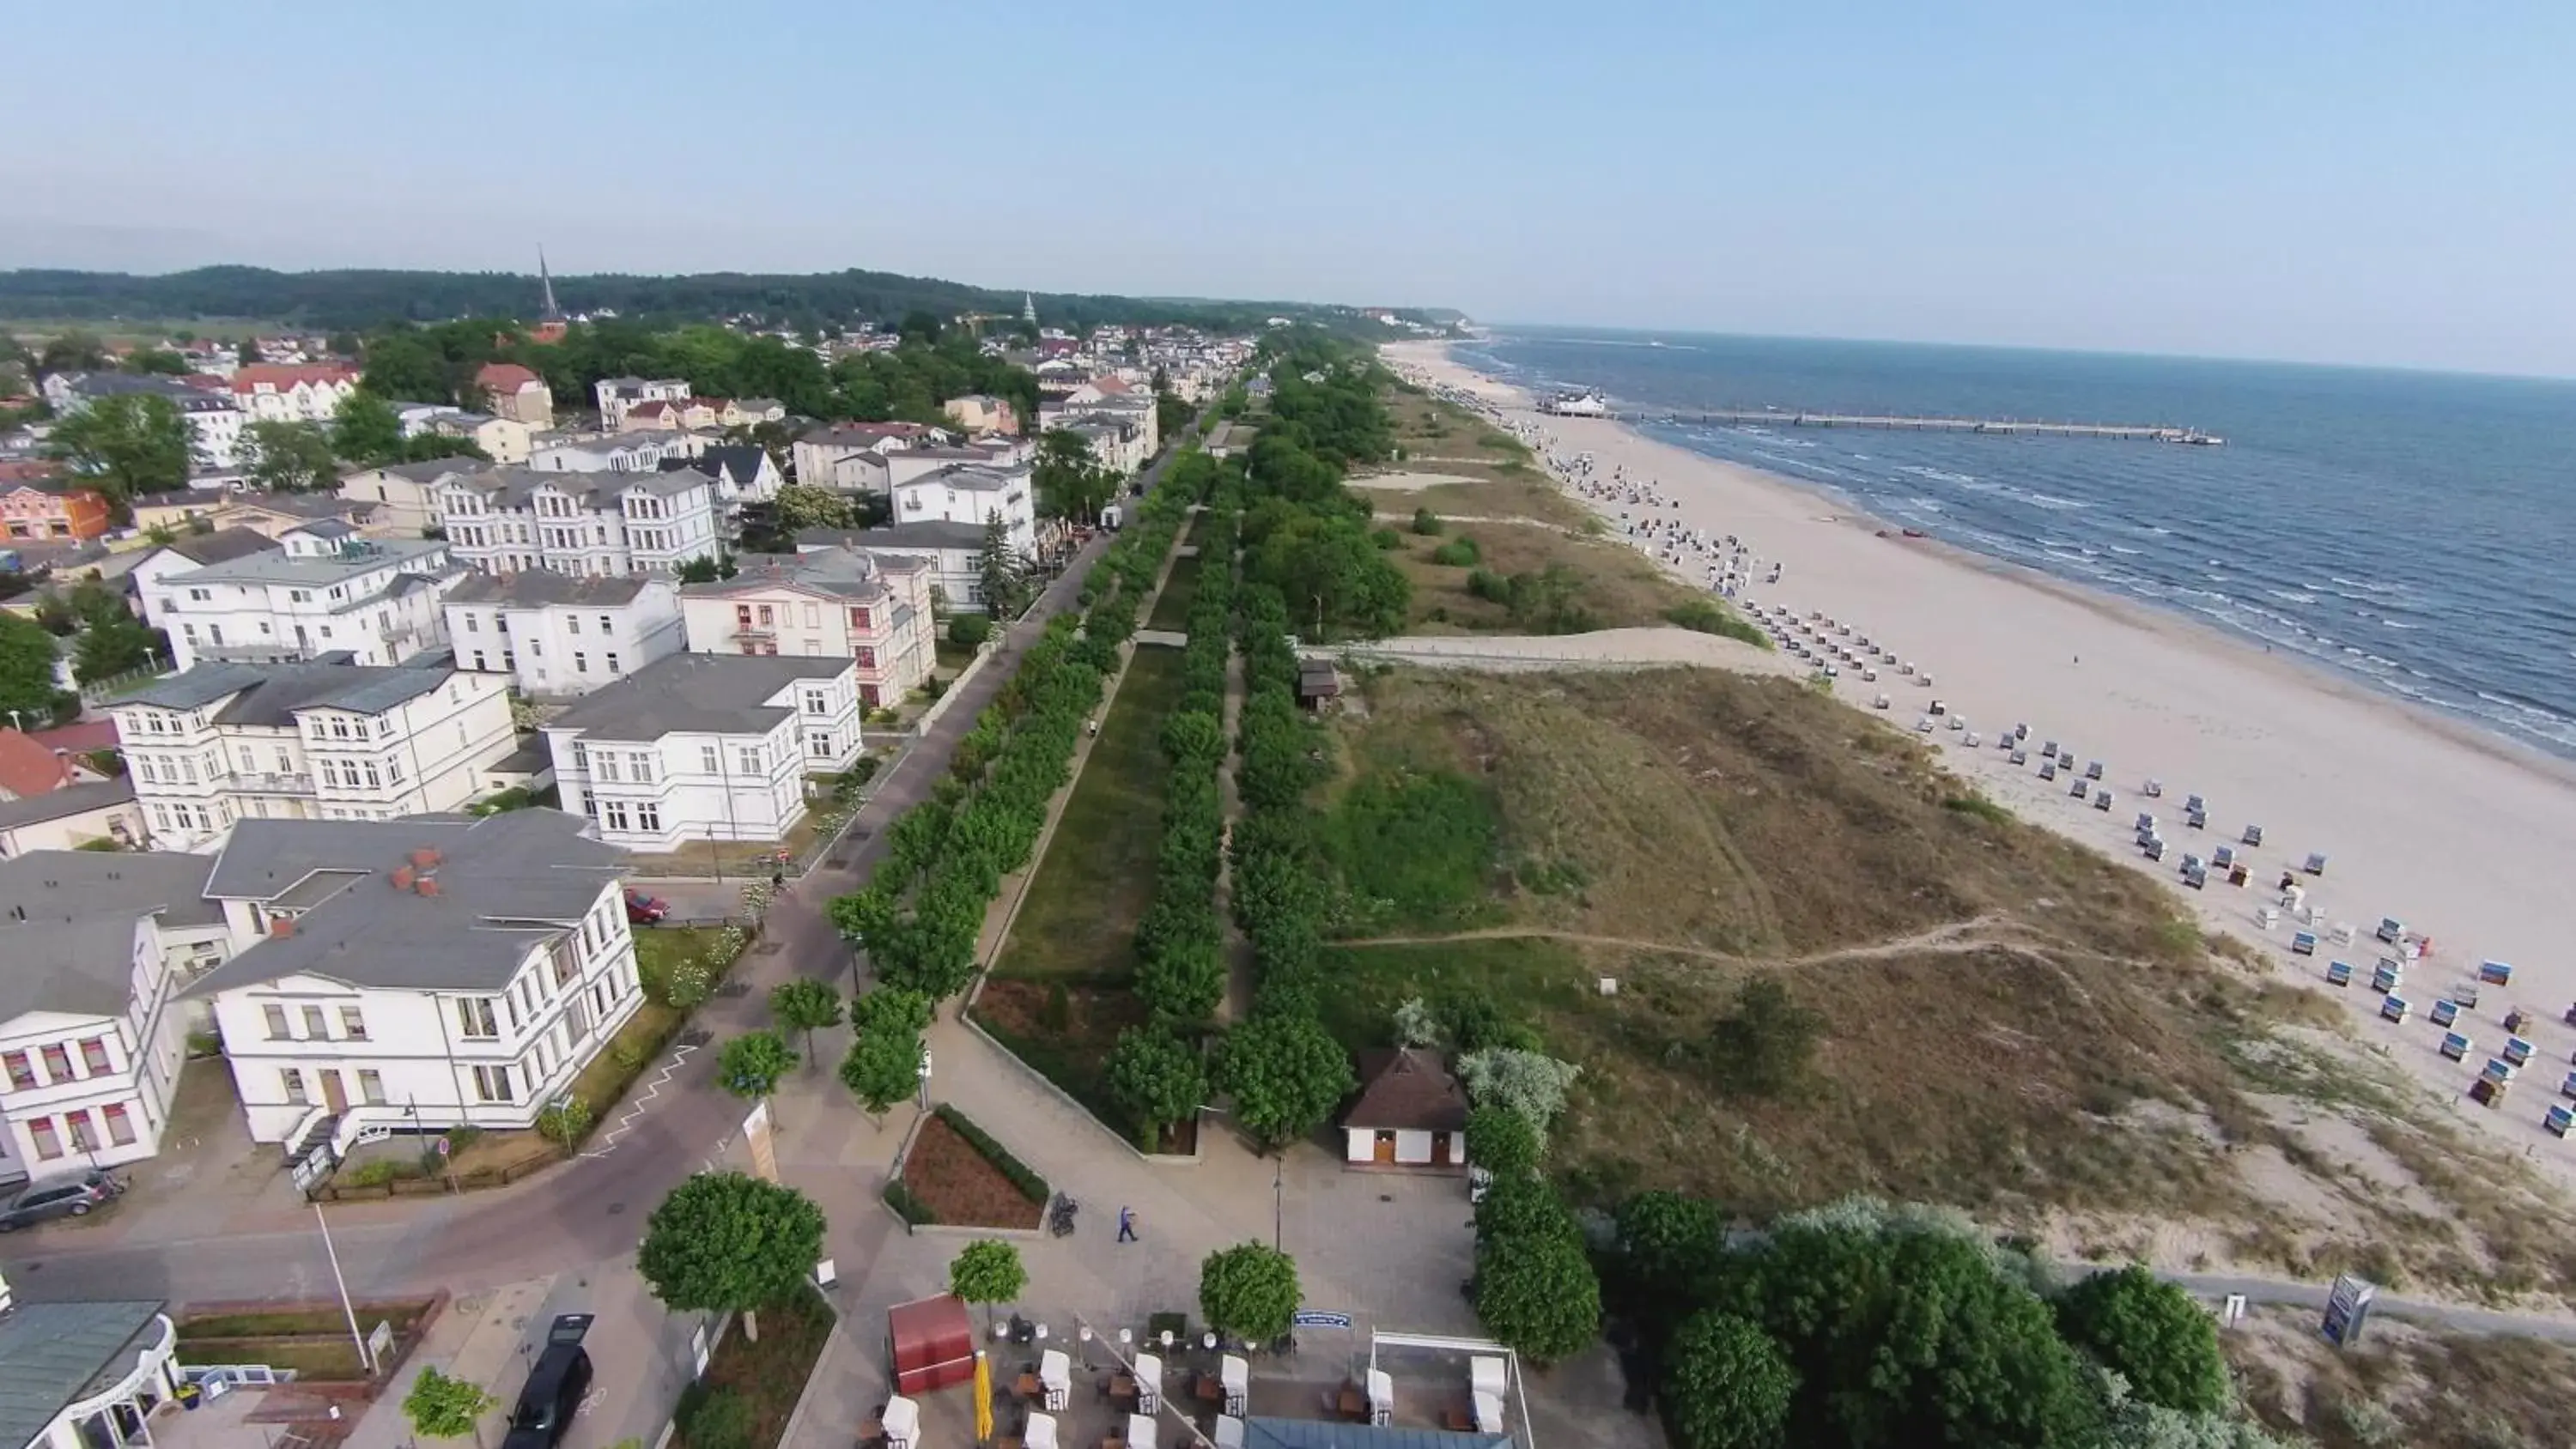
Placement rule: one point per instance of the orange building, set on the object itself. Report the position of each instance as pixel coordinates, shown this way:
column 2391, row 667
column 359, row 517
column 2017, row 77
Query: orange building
column 52, row 508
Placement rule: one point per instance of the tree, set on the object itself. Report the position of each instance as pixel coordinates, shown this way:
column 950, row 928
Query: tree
column 366, row 432
column 160, row 361
column 987, row 1271
column 1761, row 1045
column 247, row 354
column 289, row 457
column 1530, row 1083
column 72, row 352
column 27, row 687
column 1285, row 1073
column 2150, row 1333
column 1536, row 1292
column 112, row 641
column 805, row 1005
column 1726, row 1385
column 707, row 569
column 565, row 1121
column 999, row 569
column 1156, row 1079
column 1671, row 1246
column 969, row 631
column 884, row 1063
column 751, row 1064
column 727, row 1242
column 443, row 1407
column 799, row 506
column 1069, row 483
column 1502, row 1142
column 1249, row 1292
column 124, row 445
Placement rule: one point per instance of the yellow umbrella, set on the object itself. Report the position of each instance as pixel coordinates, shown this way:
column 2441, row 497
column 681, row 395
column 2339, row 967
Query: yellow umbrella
column 983, row 1398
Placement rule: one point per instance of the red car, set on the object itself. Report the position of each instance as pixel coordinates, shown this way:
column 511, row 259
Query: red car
column 644, row 910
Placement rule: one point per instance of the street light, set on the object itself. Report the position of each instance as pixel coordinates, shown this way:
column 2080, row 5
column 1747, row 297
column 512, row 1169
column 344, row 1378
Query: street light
column 366, row 1359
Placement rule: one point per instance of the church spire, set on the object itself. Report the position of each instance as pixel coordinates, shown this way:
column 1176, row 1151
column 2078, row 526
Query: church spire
column 546, row 280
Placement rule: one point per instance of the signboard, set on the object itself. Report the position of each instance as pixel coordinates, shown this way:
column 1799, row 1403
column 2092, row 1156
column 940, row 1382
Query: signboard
column 826, row 1273
column 2347, row 1309
column 2233, row 1313
column 1311, row 1318
column 380, row 1342
column 764, row 1151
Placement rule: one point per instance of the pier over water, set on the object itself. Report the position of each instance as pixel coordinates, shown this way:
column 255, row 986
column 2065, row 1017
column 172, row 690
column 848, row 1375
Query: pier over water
column 1736, row 417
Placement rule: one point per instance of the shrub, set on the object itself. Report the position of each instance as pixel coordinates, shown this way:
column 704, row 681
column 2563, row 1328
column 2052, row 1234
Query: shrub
column 1457, row 553
column 721, row 1420
column 1031, row 1186
column 1707, row 616
column 1489, row 586
column 905, row 1205
column 1387, row 539
column 968, row 631
column 1426, row 522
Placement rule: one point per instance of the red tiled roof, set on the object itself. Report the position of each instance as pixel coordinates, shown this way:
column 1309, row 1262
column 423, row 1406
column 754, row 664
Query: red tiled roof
column 504, row 376
column 653, row 409
column 79, row 739
column 283, row 376
column 27, row 768
column 27, row 470
column 1111, row 385
column 1407, row 1090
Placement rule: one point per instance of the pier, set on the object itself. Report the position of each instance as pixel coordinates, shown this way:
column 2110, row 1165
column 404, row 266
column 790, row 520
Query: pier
column 2147, row 433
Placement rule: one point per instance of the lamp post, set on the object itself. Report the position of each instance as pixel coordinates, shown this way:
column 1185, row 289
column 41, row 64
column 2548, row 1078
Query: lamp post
column 366, row 1359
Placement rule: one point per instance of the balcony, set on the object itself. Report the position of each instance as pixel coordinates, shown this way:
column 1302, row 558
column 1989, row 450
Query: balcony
column 253, row 783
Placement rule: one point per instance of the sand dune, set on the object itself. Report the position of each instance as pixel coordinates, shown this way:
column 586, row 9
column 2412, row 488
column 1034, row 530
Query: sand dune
column 2463, row 836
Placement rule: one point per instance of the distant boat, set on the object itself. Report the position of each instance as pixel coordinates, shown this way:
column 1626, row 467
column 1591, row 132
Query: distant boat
column 1586, row 404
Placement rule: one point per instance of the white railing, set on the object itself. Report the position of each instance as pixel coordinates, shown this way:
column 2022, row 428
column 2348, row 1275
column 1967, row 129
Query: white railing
column 305, row 1127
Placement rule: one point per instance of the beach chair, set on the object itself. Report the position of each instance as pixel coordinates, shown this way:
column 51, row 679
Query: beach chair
column 2253, row 835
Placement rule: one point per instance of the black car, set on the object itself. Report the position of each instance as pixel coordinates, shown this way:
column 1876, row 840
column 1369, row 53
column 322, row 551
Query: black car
column 556, row 1384
column 58, row 1197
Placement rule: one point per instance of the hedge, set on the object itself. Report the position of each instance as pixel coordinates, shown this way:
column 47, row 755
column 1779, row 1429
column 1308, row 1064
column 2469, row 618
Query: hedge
column 1031, row 1186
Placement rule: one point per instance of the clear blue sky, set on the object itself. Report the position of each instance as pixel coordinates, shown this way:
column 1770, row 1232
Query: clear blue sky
column 2331, row 180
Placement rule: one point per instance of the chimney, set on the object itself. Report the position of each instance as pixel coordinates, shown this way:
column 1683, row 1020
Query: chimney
column 424, row 858
column 281, row 927
column 428, row 885
column 402, row 877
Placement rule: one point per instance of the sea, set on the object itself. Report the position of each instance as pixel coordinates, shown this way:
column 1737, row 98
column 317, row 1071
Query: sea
column 2415, row 531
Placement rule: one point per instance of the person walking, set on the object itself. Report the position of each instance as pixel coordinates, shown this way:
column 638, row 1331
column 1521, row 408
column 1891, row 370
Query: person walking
column 1126, row 1225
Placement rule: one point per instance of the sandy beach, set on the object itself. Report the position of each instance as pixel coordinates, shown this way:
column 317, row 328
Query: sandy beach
column 2463, row 837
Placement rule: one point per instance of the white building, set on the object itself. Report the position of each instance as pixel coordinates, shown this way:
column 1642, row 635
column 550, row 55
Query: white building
column 187, row 553
column 617, row 394
column 323, row 590
column 633, row 453
column 873, row 610
column 599, row 524
column 84, row 1374
column 966, row 493
column 852, row 457
column 556, row 635
column 415, row 975
column 223, row 743
column 408, row 496
column 705, row 747
column 214, row 421
column 298, row 392
column 503, row 440
column 744, row 473
column 90, row 1040
column 954, row 551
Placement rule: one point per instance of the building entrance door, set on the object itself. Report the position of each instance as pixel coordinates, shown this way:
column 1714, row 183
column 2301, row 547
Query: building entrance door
column 334, row 1095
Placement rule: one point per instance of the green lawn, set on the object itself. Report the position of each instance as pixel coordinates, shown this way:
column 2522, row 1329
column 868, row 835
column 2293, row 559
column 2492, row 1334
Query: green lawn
column 1172, row 610
column 1097, row 877
column 1530, row 979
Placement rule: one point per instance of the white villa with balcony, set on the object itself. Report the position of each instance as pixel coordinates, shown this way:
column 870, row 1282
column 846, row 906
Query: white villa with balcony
column 224, row 743
column 84, row 1373
column 873, row 610
column 600, row 525
column 324, row 590
column 415, row 975
column 972, row 493
column 700, row 747
column 556, row 635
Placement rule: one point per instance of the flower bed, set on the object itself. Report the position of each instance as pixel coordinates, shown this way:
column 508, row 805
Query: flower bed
column 750, row 1389
column 956, row 1173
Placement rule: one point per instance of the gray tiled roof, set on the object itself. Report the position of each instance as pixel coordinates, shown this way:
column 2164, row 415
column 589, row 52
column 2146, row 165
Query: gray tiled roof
column 52, row 1355
column 82, row 967
column 694, row 694
column 271, row 693
column 69, row 800
column 937, row 533
column 512, row 487
column 531, row 587
column 505, row 884
column 837, row 572
column 318, row 571
column 221, row 546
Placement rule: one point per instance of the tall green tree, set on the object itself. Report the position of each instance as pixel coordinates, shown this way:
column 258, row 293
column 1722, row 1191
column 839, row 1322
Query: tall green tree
column 289, row 457
column 884, row 1062
column 124, row 445
column 1249, row 1292
column 807, row 1005
column 1760, row 1045
column 365, row 430
column 1285, row 1074
column 1537, row 1293
column 27, row 687
column 1069, row 483
column 112, row 640
column 987, row 1271
column 751, row 1064
column 159, row 361
column 1502, row 1141
column 727, row 1242
column 798, row 507
column 2151, row 1333
column 1156, row 1079
column 72, row 352
column 442, row 1406
column 1000, row 572
column 1726, row 1385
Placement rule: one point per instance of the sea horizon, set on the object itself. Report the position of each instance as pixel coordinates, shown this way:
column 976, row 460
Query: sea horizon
column 2404, row 529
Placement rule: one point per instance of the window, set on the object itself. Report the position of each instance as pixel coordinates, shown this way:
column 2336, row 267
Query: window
column 48, row 1144
column 120, row 1124
column 617, row 818
column 371, row 1086
column 393, row 769
column 604, row 625
column 572, row 623
column 22, row 1072
column 580, row 662
column 561, row 957
column 314, row 1029
column 751, row 760
column 648, row 816
column 821, row 743
column 742, row 616
column 815, row 702
column 859, row 620
column 471, row 627
column 478, row 659
column 492, row 1084
column 58, row 1064
column 766, row 615
column 474, row 1017
column 292, row 1079
column 612, row 665
column 607, row 767
column 867, row 656
column 353, row 1023
column 374, row 781
column 707, row 759
column 643, row 769
column 94, row 1056
column 84, row 1137
column 813, row 615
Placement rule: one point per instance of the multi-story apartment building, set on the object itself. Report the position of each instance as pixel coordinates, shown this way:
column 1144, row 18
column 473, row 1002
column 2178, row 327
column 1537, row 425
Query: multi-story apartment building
column 969, row 493
column 502, row 439
column 851, row 457
column 516, row 392
column 556, row 635
column 90, row 1040
column 586, row 524
column 415, row 975
column 214, row 420
column 301, row 392
column 223, row 743
column 53, row 508
column 744, row 473
column 828, row 603
column 629, row 453
column 409, row 497
column 323, row 590
column 705, row 747
column 617, row 394
column 954, row 552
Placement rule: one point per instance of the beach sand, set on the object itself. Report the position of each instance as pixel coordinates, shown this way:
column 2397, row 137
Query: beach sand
column 2464, row 837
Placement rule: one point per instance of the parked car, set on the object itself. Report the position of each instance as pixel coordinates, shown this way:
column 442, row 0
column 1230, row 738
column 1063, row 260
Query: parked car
column 557, row 1382
column 644, row 910
column 58, row 1197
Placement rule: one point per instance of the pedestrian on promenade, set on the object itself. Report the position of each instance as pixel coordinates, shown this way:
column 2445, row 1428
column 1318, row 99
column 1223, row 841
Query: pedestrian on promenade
column 777, row 879
column 1126, row 1225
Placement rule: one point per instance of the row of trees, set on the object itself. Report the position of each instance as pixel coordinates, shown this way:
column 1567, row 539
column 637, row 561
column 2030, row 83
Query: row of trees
column 1305, row 533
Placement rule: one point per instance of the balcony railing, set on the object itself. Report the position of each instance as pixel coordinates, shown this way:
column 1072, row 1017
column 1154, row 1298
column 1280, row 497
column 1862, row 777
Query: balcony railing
column 267, row 784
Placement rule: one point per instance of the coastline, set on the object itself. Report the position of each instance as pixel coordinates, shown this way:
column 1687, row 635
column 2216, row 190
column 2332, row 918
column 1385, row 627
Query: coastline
column 2461, row 834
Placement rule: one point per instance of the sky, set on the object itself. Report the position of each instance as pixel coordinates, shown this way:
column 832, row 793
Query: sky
column 2315, row 180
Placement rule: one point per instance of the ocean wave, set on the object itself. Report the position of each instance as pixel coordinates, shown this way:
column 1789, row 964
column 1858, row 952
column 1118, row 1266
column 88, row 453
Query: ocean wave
column 2054, row 503
column 2291, row 596
column 2397, row 624
column 2128, row 552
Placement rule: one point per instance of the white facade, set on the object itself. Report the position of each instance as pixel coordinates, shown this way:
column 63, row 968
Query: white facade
column 113, row 1401
column 408, row 496
column 324, row 590
column 634, row 453
column 961, row 493
column 602, row 524
column 214, row 422
column 555, row 636
column 705, row 747
column 86, row 1083
column 292, row 392
column 873, row 610
column 224, row 743
column 617, row 394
